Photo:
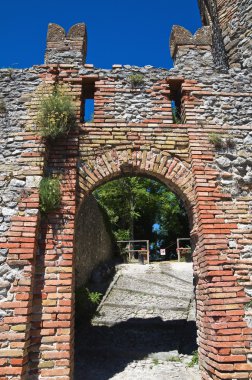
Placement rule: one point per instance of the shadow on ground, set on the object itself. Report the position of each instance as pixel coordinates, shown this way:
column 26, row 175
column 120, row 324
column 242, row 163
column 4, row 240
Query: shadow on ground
column 101, row 352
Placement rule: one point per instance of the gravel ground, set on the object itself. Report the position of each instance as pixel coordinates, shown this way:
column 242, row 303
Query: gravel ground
column 150, row 347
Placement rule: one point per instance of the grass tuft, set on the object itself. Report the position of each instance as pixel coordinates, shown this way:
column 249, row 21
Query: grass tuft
column 56, row 114
column 94, row 297
column 216, row 140
column 195, row 359
column 136, row 80
column 248, row 305
column 49, row 194
column 174, row 359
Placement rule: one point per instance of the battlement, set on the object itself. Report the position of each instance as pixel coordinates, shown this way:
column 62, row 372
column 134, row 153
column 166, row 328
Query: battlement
column 65, row 47
column 181, row 38
column 186, row 47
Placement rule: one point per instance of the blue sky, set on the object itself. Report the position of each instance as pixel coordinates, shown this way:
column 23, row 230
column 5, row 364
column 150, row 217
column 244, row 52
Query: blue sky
column 134, row 32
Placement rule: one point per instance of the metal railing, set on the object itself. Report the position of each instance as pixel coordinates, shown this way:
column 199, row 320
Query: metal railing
column 140, row 255
column 182, row 250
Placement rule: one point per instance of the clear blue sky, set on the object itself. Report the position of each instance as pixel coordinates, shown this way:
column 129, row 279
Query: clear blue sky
column 134, row 32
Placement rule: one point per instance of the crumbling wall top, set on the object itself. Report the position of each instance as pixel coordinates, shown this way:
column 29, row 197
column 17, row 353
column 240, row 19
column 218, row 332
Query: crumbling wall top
column 182, row 37
column 62, row 47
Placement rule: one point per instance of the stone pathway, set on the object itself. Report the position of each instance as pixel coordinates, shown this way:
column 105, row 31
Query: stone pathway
column 144, row 328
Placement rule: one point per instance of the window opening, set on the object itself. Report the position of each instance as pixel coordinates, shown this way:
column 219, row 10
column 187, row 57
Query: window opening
column 88, row 101
column 89, row 110
column 175, row 97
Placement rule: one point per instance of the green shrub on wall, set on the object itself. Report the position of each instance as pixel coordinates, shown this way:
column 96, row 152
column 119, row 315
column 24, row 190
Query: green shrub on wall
column 136, row 80
column 49, row 194
column 56, row 114
column 216, row 140
column 220, row 142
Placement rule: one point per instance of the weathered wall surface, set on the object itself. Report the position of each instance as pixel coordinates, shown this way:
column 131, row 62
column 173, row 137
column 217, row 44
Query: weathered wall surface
column 231, row 24
column 133, row 133
column 17, row 173
column 94, row 243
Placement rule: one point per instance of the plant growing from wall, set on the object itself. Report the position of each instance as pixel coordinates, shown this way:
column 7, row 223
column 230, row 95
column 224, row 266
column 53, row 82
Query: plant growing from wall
column 49, row 194
column 86, row 303
column 56, row 114
column 248, row 305
column 136, row 80
column 216, row 140
column 220, row 142
column 94, row 297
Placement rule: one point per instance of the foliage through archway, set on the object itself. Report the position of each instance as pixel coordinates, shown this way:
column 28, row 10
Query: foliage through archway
column 143, row 208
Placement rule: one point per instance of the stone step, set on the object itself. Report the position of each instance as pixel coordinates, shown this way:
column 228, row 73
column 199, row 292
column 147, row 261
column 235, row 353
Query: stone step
column 164, row 280
column 126, row 296
column 183, row 278
column 144, row 307
column 111, row 314
column 156, row 287
column 180, row 271
column 153, row 293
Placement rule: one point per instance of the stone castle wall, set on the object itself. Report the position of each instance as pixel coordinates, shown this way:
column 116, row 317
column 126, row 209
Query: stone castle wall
column 94, row 241
column 133, row 132
column 231, row 23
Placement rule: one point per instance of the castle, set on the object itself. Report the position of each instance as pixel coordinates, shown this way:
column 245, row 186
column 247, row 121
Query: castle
column 205, row 159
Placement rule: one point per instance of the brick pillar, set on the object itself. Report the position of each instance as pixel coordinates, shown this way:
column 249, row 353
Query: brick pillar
column 224, row 337
column 52, row 322
column 21, row 243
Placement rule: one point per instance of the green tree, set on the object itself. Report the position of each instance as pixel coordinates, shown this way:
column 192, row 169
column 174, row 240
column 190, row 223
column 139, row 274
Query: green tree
column 172, row 218
column 135, row 204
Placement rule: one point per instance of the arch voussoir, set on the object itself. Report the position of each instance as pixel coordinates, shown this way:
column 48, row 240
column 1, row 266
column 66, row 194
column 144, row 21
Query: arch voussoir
column 168, row 169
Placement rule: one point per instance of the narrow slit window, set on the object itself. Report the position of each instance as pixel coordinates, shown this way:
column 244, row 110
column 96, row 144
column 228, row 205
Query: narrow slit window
column 175, row 97
column 88, row 102
column 89, row 111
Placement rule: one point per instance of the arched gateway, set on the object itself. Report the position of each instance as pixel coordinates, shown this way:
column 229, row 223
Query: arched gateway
column 201, row 151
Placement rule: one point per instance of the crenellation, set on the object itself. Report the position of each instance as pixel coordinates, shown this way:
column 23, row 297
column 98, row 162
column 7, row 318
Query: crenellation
column 67, row 48
column 181, row 40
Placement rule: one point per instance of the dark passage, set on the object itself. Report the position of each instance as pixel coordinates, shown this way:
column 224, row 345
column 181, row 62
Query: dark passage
column 102, row 352
column 144, row 327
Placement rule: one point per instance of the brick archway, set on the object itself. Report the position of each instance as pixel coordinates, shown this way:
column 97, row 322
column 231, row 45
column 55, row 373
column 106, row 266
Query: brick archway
column 116, row 164
column 154, row 163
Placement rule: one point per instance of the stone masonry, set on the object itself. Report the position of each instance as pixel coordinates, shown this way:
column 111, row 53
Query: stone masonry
column 94, row 240
column 133, row 132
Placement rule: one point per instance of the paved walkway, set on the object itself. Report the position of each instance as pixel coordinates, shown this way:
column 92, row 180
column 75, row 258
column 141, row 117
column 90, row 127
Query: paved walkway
column 144, row 329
